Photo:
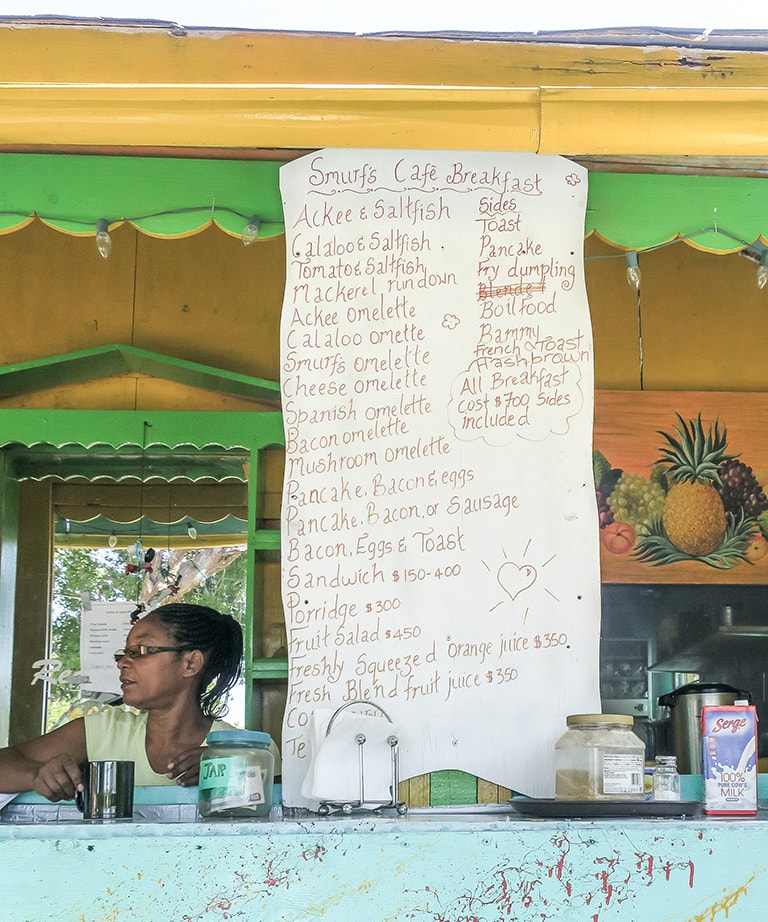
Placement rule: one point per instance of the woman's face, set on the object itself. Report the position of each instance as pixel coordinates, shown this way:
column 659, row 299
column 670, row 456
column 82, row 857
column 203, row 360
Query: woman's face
column 151, row 678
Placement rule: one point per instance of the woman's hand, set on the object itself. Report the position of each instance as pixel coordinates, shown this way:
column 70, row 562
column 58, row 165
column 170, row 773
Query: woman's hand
column 185, row 767
column 49, row 764
column 59, row 778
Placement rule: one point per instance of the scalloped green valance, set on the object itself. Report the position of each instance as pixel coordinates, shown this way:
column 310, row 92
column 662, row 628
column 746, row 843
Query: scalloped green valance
column 162, row 197
column 638, row 211
column 175, row 197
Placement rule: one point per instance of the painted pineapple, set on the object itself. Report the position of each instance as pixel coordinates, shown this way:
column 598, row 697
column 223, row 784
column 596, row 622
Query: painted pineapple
column 693, row 515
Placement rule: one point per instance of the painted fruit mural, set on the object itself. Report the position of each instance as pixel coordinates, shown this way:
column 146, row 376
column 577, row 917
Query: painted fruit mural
column 700, row 501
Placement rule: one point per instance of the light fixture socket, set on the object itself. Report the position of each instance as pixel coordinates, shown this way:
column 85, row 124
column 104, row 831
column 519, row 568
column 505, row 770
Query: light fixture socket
column 634, row 275
column 103, row 240
column 762, row 270
column 251, row 230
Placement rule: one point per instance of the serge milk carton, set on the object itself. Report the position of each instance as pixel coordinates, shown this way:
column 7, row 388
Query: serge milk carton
column 729, row 740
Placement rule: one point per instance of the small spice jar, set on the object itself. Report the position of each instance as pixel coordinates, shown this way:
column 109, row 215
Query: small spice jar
column 666, row 780
column 599, row 757
column 237, row 771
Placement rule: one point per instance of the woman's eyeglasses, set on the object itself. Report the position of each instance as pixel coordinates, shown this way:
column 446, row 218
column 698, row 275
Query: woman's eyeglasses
column 141, row 650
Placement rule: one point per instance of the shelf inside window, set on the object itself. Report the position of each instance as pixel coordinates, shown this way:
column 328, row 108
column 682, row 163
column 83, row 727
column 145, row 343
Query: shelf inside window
column 272, row 668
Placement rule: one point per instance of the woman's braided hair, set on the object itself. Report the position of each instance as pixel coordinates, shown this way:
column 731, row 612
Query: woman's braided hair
column 219, row 637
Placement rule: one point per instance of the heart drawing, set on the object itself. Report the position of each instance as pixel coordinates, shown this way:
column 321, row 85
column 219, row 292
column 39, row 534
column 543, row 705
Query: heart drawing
column 514, row 580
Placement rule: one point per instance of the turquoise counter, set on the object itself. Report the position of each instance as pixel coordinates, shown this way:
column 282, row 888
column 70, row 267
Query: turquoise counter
column 424, row 867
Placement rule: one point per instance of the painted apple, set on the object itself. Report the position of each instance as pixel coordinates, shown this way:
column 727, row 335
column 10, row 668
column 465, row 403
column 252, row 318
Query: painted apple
column 757, row 547
column 618, row 537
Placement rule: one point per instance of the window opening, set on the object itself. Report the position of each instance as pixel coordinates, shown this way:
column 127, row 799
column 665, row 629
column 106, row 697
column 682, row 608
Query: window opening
column 210, row 575
column 139, row 545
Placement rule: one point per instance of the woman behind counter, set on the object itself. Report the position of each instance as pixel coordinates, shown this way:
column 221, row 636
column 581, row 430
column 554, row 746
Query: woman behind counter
column 178, row 664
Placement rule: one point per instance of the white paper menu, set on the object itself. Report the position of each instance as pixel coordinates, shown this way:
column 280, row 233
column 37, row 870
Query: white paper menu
column 439, row 530
column 104, row 627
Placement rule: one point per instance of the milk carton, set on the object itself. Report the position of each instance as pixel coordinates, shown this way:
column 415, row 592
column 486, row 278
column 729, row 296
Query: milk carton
column 729, row 741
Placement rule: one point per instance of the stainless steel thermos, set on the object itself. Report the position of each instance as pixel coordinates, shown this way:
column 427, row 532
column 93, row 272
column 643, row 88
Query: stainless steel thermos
column 685, row 704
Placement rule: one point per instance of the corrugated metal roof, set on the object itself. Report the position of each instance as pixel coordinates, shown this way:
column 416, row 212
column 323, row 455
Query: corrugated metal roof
column 636, row 36
column 627, row 36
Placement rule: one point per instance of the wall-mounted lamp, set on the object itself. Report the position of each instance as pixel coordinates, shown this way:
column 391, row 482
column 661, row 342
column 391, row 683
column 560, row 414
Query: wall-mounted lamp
column 191, row 531
column 103, row 240
column 634, row 275
column 251, row 230
column 112, row 540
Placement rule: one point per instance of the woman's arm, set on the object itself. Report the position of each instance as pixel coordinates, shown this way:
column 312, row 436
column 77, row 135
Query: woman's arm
column 49, row 764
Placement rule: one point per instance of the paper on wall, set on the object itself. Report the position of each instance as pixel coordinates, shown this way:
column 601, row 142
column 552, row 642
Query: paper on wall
column 104, row 627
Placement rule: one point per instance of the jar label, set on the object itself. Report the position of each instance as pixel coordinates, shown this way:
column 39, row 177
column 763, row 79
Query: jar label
column 229, row 782
column 623, row 773
column 223, row 777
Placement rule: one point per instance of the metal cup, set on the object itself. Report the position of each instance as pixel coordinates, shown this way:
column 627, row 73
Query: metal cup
column 107, row 791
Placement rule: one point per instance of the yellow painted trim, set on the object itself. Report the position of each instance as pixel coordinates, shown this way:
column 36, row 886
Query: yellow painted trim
column 23, row 222
column 270, row 116
column 89, row 53
column 132, row 86
column 714, row 121
column 112, row 226
column 672, row 239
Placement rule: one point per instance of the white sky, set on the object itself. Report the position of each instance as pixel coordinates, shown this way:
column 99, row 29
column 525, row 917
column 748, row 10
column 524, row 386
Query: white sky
column 412, row 15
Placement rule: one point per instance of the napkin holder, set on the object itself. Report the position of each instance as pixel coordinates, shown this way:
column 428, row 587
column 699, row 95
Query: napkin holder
column 350, row 736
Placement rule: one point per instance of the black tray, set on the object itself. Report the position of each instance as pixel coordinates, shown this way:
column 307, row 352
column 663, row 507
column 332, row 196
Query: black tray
column 594, row 809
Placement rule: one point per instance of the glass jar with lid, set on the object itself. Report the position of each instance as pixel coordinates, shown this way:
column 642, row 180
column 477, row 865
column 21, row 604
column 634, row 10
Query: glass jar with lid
column 666, row 780
column 237, row 771
column 599, row 757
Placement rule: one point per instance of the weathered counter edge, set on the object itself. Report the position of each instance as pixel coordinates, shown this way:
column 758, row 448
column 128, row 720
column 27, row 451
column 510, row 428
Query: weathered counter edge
column 411, row 824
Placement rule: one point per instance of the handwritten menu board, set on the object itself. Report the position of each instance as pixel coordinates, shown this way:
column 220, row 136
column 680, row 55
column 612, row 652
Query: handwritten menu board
column 439, row 550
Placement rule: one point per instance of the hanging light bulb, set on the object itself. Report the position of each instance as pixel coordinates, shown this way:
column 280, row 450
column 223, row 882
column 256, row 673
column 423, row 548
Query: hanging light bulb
column 251, row 230
column 112, row 540
column 191, row 531
column 762, row 270
column 103, row 240
column 634, row 276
